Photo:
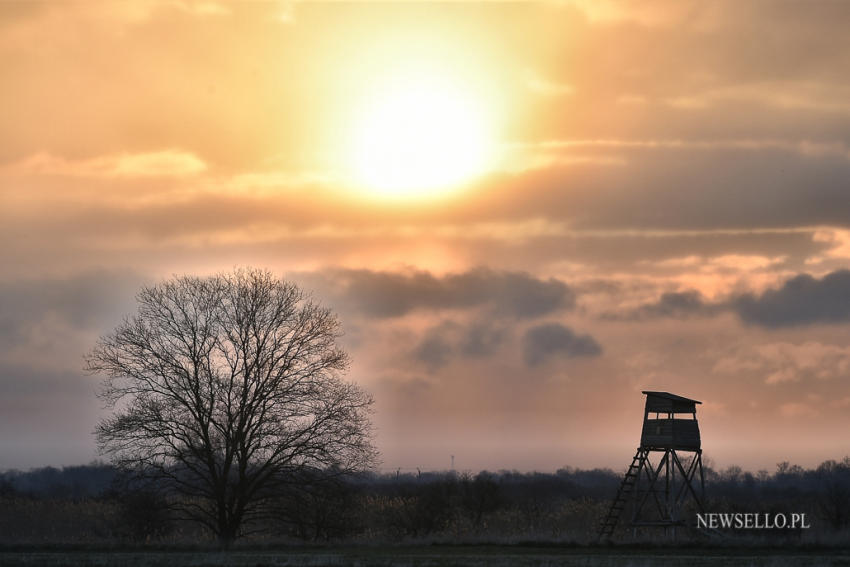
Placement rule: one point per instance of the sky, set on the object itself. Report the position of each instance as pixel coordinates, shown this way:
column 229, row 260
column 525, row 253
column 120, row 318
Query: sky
column 523, row 213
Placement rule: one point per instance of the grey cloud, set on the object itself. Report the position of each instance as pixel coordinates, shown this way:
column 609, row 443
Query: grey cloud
column 678, row 303
column 550, row 340
column 90, row 301
column 674, row 304
column 450, row 340
column 682, row 189
column 509, row 294
column 434, row 350
column 799, row 301
column 482, row 339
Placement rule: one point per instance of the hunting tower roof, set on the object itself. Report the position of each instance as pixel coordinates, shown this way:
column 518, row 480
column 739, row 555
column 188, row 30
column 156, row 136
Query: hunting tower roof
column 669, row 396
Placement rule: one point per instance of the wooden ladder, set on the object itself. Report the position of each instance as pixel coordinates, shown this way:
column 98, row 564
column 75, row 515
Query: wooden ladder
column 606, row 529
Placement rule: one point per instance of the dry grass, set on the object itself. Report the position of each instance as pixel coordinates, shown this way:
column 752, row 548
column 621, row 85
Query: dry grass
column 434, row 556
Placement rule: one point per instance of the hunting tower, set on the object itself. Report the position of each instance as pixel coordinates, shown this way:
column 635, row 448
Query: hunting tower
column 652, row 494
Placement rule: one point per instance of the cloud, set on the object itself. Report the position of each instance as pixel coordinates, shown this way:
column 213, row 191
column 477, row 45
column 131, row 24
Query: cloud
column 800, row 147
column 693, row 187
column 784, row 362
column 786, row 95
column 674, row 304
column 838, row 242
column 451, row 340
column 547, row 88
column 797, row 409
column 801, row 300
column 47, row 323
column 164, row 163
column 434, row 350
column 552, row 340
column 87, row 301
column 202, row 8
column 507, row 294
column 50, row 322
column 482, row 339
column 569, row 153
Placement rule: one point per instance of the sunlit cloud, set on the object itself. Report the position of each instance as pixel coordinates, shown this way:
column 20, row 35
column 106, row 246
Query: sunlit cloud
column 739, row 262
column 790, row 96
column 203, row 8
column 802, row 147
column 838, row 241
column 166, row 163
column 547, row 88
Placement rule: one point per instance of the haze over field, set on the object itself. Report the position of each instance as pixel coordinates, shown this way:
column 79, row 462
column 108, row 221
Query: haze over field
column 524, row 214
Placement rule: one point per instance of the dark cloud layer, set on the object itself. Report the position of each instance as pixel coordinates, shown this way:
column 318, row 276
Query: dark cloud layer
column 799, row 301
column 508, row 294
column 686, row 187
column 552, row 340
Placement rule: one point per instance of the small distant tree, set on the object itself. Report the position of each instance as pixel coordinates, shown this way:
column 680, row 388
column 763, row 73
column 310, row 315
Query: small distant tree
column 481, row 496
column 834, row 496
column 7, row 489
column 226, row 388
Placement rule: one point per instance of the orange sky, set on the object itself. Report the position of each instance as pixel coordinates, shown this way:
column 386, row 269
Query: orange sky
column 523, row 213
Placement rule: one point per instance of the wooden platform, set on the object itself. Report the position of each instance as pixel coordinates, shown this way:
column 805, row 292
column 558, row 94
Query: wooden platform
column 680, row 434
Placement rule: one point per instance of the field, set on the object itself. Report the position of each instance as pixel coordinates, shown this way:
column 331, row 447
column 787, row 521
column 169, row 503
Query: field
column 436, row 556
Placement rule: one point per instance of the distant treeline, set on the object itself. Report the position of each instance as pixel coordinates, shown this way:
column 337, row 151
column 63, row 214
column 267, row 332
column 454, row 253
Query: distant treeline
column 92, row 504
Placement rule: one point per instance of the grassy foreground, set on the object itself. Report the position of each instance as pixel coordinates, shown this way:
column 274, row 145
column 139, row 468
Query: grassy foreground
column 436, row 556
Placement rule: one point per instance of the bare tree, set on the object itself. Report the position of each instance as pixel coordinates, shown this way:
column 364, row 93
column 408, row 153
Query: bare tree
column 223, row 388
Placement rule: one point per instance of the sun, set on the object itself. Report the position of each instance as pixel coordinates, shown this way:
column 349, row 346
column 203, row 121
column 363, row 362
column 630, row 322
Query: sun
column 419, row 136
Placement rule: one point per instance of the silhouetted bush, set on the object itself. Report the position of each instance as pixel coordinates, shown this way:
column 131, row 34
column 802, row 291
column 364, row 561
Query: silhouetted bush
column 317, row 508
column 481, row 496
column 834, row 498
column 7, row 490
column 144, row 514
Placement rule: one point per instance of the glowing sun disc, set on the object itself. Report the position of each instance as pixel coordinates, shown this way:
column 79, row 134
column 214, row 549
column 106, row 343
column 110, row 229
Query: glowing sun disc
column 420, row 137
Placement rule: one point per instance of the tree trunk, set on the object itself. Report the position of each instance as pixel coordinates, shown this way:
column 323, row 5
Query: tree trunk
column 228, row 526
column 227, row 534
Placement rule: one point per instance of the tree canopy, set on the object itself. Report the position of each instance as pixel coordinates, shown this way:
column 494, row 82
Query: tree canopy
column 224, row 388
